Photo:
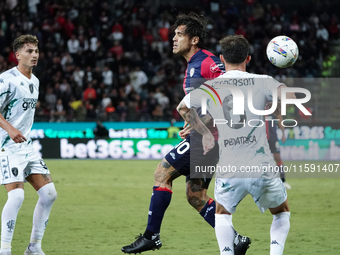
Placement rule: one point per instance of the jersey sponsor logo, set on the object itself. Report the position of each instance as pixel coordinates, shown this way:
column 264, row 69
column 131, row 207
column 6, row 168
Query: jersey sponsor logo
column 31, row 88
column 1, row 80
column 215, row 67
column 192, row 71
column 15, row 171
column 29, row 103
column 21, row 84
column 239, row 140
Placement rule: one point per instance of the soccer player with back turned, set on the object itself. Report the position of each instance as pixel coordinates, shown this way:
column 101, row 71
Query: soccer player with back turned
column 244, row 144
column 19, row 90
column 190, row 31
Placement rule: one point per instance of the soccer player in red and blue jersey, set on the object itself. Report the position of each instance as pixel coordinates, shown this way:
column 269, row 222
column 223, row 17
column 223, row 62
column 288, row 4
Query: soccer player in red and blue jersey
column 191, row 29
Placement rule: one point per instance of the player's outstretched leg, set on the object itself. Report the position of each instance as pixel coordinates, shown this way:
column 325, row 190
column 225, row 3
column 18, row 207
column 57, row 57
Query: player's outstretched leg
column 47, row 196
column 160, row 200
column 224, row 230
column 9, row 217
column 206, row 206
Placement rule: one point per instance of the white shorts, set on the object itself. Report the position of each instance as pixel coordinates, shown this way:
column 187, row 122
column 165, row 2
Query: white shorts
column 15, row 167
column 267, row 193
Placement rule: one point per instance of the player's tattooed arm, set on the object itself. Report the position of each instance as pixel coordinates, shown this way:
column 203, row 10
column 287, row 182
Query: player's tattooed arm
column 206, row 119
column 191, row 117
column 187, row 128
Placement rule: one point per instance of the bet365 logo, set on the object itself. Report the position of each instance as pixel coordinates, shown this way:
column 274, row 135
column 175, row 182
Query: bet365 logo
column 29, row 103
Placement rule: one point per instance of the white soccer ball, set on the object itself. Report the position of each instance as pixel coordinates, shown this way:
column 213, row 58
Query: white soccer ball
column 282, row 51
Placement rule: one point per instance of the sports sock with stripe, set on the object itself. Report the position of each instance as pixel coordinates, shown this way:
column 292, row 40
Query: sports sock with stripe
column 208, row 212
column 160, row 201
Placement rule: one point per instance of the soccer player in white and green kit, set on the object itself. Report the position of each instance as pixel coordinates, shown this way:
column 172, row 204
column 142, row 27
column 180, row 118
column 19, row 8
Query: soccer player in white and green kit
column 19, row 90
column 245, row 157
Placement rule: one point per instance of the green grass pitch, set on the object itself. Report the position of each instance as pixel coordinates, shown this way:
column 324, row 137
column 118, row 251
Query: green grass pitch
column 102, row 205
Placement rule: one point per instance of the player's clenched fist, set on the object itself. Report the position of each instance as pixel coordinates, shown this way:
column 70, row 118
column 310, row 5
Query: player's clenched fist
column 208, row 142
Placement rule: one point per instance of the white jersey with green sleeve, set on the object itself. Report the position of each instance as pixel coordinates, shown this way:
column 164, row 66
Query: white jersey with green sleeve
column 242, row 138
column 18, row 97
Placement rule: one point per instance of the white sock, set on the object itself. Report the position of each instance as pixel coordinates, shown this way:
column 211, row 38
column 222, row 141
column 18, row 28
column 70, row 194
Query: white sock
column 47, row 196
column 279, row 232
column 225, row 233
column 9, row 216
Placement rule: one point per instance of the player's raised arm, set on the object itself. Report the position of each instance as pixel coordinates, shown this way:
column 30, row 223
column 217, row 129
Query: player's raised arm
column 191, row 117
column 206, row 119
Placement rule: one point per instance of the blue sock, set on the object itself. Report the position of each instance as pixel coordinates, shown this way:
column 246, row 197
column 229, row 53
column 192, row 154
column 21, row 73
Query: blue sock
column 208, row 212
column 160, row 201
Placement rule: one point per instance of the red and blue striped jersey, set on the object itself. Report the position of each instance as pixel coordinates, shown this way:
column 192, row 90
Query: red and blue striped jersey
column 202, row 66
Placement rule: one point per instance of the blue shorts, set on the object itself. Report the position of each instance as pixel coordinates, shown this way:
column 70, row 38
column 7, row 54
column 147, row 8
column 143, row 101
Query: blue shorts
column 188, row 154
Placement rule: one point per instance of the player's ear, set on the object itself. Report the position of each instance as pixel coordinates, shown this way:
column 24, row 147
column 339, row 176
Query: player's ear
column 195, row 40
column 222, row 58
column 248, row 59
column 17, row 55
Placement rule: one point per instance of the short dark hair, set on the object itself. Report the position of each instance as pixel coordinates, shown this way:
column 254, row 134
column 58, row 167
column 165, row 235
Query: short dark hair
column 235, row 48
column 22, row 40
column 196, row 25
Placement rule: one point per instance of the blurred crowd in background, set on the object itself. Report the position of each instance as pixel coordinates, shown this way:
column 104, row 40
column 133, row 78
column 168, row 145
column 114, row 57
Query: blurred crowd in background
column 113, row 61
